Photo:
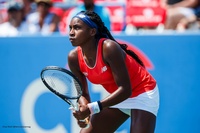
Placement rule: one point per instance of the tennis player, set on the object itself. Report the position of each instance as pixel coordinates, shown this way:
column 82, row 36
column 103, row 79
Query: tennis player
column 98, row 57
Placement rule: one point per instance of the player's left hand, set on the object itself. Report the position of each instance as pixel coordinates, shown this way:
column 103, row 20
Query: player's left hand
column 83, row 112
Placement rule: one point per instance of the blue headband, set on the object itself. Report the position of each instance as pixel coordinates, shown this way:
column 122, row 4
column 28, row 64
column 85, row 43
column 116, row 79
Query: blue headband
column 86, row 20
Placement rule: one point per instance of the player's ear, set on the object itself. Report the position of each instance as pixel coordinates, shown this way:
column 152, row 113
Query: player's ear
column 93, row 32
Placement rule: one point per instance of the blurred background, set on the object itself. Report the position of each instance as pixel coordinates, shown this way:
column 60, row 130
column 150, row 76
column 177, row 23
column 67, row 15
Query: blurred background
column 34, row 34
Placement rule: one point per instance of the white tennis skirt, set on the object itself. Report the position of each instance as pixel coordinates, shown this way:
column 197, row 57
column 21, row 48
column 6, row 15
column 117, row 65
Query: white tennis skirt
column 148, row 101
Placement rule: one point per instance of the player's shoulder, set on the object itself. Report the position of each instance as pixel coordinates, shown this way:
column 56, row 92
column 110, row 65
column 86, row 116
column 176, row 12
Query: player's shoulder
column 110, row 44
column 111, row 49
column 73, row 53
column 73, row 57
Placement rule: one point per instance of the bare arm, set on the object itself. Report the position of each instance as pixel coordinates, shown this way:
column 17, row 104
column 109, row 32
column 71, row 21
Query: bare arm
column 85, row 98
column 74, row 67
column 185, row 3
column 114, row 56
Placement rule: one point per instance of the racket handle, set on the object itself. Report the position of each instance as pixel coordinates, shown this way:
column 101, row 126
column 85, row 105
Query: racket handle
column 74, row 107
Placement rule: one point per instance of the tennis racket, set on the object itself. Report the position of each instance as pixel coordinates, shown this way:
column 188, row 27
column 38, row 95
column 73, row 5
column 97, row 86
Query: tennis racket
column 64, row 84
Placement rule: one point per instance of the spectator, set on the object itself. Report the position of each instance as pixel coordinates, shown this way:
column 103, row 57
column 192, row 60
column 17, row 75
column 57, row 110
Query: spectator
column 177, row 10
column 43, row 21
column 192, row 22
column 15, row 24
column 29, row 7
column 90, row 5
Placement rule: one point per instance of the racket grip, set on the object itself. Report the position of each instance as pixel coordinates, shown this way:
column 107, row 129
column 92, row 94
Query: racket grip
column 74, row 108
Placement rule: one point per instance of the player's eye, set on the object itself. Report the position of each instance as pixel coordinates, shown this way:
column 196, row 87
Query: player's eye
column 76, row 27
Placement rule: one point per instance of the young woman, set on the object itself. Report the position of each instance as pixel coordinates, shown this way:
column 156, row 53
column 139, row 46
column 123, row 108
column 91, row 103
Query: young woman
column 102, row 60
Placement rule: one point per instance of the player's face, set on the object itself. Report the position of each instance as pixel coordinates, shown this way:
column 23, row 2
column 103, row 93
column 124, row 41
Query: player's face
column 79, row 32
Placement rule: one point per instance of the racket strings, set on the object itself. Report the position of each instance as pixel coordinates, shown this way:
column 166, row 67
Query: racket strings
column 63, row 83
column 77, row 85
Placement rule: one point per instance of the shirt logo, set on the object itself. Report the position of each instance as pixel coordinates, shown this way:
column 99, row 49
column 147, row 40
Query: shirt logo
column 103, row 69
column 85, row 73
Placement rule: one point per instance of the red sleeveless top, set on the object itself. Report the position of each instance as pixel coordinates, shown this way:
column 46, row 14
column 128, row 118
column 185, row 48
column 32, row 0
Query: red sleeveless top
column 141, row 80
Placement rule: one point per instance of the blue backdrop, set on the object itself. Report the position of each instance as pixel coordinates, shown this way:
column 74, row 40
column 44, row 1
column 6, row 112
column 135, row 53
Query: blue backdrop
column 28, row 107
